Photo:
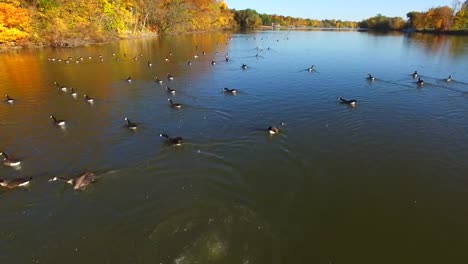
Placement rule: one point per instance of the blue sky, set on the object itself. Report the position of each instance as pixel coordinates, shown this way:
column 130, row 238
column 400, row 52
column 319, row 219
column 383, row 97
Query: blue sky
column 337, row 9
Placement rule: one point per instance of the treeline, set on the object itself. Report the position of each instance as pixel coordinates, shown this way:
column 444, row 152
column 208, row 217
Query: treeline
column 74, row 22
column 249, row 18
column 443, row 18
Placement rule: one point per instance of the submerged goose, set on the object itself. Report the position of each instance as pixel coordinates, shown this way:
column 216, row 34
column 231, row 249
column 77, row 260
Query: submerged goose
column 174, row 105
column 420, row 81
column 130, row 124
column 8, row 99
column 274, row 130
column 230, row 91
column 57, row 122
column 73, row 93
column 9, row 161
column 61, row 88
column 80, row 182
column 170, row 90
column 18, row 182
column 88, row 99
column 348, row 102
column 175, row 141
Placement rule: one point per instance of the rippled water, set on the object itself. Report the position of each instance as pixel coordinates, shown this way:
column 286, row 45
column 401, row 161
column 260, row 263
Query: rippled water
column 384, row 182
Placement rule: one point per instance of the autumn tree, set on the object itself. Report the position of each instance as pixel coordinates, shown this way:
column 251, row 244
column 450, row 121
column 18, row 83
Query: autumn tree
column 15, row 24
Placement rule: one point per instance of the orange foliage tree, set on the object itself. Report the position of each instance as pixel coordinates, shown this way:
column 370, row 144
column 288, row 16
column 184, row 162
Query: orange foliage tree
column 14, row 22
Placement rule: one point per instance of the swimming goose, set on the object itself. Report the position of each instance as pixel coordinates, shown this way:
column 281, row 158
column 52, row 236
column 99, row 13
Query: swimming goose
column 158, row 80
column 274, row 130
column 230, row 91
column 80, row 182
column 213, row 62
column 88, row 99
column 57, row 122
column 129, row 79
column 62, row 88
column 170, row 77
column 150, row 64
column 73, row 93
column 174, row 105
column 420, row 81
column 9, row 161
column 189, row 62
column 196, row 56
column 370, row 77
column 18, row 182
column 8, row 99
column 415, row 74
column 348, row 102
column 130, row 124
column 449, row 79
column 244, row 66
column 170, row 90
column 311, row 68
column 175, row 141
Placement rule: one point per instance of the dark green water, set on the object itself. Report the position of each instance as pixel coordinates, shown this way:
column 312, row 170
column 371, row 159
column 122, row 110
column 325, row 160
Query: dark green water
column 383, row 182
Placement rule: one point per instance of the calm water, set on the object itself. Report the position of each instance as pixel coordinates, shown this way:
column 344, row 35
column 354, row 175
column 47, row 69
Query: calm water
column 384, row 182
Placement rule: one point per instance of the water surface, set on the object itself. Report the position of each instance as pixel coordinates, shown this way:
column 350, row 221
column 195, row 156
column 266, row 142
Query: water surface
column 383, row 182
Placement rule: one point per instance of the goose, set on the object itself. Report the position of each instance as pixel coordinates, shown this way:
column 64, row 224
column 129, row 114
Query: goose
column 62, row 88
column 88, row 99
column 420, row 81
column 135, row 58
column 9, row 161
column 415, row 74
column 158, row 80
column 18, row 182
column 170, row 77
column 213, row 62
column 57, row 122
column 170, row 90
column 196, row 56
column 348, row 102
column 73, row 93
column 8, row 99
column 189, row 62
column 244, row 66
column 150, row 64
column 230, row 91
column 80, row 182
column 227, row 59
column 175, row 141
column 311, row 68
column 129, row 79
column 370, row 77
column 174, row 105
column 449, row 79
column 130, row 124
column 166, row 59
column 274, row 130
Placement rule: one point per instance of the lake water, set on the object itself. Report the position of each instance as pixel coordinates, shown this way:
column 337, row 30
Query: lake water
column 383, row 182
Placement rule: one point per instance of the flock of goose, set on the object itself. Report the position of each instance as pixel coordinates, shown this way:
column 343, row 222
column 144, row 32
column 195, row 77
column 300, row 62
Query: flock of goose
column 81, row 181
